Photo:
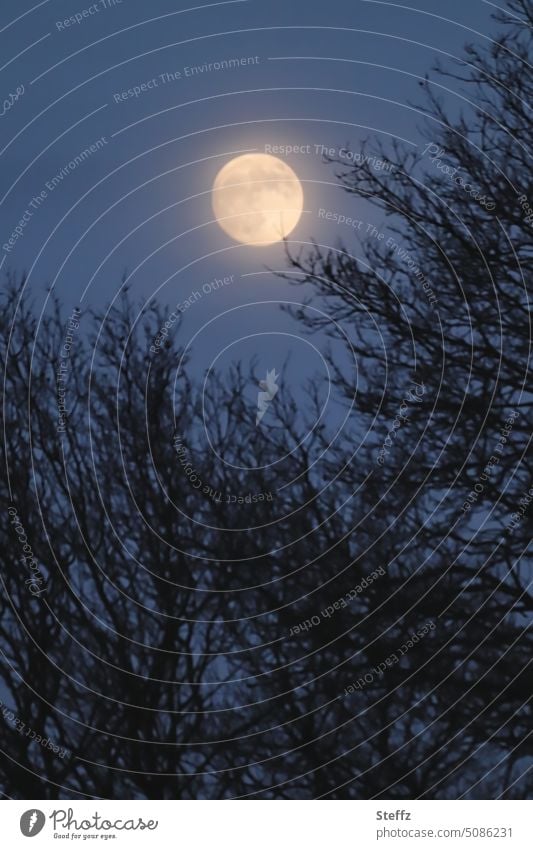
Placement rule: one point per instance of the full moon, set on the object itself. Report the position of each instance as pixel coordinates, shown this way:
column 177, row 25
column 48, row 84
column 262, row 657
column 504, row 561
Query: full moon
column 257, row 199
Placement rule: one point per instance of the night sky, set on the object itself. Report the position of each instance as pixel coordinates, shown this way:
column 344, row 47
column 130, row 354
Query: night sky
column 316, row 78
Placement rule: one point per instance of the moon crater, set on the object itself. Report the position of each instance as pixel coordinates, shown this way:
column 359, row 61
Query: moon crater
column 257, row 199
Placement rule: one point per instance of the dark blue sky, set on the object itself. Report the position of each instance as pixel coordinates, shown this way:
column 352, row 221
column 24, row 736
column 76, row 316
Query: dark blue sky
column 325, row 74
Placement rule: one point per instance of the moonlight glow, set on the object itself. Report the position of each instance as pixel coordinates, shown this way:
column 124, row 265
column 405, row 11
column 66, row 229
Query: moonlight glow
column 257, row 199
